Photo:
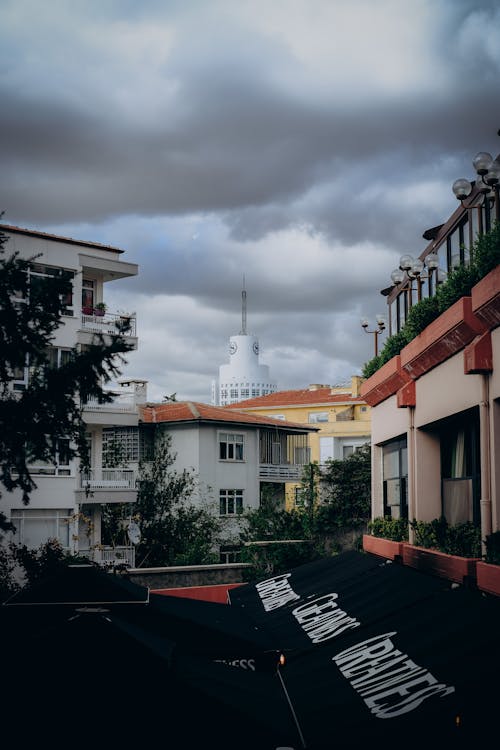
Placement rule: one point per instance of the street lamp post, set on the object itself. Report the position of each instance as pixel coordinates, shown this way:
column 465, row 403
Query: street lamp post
column 376, row 332
column 413, row 269
column 487, row 183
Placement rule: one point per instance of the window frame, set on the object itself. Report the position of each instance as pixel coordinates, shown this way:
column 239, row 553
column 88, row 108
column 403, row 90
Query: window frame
column 225, row 498
column 231, row 446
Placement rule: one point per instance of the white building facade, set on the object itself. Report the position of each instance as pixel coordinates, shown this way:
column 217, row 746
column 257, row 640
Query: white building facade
column 244, row 377
column 66, row 505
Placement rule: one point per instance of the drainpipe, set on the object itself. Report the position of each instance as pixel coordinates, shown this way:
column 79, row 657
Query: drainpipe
column 484, row 444
column 411, row 473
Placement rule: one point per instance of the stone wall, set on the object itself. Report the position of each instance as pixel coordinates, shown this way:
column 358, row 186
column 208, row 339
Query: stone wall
column 187, row 575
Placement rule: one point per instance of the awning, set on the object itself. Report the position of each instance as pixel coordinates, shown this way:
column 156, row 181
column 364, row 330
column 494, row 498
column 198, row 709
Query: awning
column 378, row 653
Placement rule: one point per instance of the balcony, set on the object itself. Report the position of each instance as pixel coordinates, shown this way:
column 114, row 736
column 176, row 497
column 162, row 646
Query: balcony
column 109, row 323
column 107, row 485
column 110, row 556
column 120, row 404
column 281, row 472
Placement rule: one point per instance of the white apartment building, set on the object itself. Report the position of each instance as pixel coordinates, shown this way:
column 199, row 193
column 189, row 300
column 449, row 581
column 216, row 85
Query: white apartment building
column 67, row 504
column 244, row 377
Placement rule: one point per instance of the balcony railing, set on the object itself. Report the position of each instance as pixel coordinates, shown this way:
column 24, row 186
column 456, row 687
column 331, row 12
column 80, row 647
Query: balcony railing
column 111, row 556
column 281, row 472
column 108, row 323
column 108, row 479
column 118, row 404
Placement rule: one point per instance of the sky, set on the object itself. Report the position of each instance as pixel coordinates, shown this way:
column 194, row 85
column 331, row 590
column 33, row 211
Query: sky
column 303, row 145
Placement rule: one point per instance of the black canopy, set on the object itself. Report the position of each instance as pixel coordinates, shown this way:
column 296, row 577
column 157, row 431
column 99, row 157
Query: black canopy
column 89, row 649
column 380, row 653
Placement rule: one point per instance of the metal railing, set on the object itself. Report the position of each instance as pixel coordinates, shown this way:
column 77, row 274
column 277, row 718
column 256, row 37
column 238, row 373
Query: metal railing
column 283, row 472
column 108, row 323
column 108, row 479
column 111, row 556
column 118, row 404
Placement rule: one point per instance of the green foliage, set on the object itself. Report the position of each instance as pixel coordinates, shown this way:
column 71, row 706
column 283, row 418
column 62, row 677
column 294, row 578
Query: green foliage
column 486, row 252
column 274, row 558
column 492, row 543
column 458, row 284
column 331, row 523
column 485, row 257
column 20, row 566
column 420, row 315
column 346, row 490
column 386, row 527
column 32, row 421
column 174, row 531
column 371, row 366
column 463, row 539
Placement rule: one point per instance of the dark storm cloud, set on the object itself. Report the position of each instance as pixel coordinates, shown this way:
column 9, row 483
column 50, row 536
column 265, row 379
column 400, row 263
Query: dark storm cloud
column 303, row 145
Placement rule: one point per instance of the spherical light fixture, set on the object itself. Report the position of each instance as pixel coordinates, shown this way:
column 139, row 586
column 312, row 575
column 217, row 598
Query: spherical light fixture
column 462, row 188
column 482, row 162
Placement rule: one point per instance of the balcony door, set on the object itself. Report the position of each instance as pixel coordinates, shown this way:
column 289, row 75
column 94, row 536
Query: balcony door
column 395, row 478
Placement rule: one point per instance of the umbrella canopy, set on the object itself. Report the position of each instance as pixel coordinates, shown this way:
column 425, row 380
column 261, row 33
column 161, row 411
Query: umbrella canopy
column 379, row 653
column 88, row 654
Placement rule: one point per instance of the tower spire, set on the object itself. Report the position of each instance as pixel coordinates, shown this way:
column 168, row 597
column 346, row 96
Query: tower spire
column 243, row 331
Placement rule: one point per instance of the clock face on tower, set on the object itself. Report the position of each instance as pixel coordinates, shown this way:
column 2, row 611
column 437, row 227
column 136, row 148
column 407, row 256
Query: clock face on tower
column 232, row 347
column 256, row 347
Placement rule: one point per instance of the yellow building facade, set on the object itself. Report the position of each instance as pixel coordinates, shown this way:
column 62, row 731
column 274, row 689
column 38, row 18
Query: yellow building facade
column 341, row 415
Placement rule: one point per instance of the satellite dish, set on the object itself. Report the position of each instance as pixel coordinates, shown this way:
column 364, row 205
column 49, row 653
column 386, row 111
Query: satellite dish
column 134, row 532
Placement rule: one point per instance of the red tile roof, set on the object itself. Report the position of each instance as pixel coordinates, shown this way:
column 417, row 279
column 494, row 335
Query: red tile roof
column 190, row 411
column 304, row 397
column 57, row 238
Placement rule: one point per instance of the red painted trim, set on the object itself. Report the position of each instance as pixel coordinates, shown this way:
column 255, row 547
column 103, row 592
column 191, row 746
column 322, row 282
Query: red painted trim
column 486, row 299
column 478, row 355
column 382, row 547
column 452, row 567
column 488, row 577
column 215, row 593
column 407, row 395
column 444, row 337
column 385, row 382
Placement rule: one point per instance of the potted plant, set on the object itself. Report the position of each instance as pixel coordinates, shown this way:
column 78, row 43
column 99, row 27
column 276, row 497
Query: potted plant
column 443, row 550
column 88, row 310
column 488, row 570
column 100, row 308
column 386, row 536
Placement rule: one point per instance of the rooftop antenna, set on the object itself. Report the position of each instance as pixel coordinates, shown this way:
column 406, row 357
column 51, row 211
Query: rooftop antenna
column 243, row 331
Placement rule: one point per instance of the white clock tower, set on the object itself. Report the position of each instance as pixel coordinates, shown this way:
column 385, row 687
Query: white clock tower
column 243, row 377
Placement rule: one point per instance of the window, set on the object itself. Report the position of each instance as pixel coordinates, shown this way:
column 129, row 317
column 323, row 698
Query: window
column 20, row 378
column 230, row 447
column 317, row 416
column 230, row 502
column 57, row 357
column 395, row 478
column 233, row 393
column 59, row 466
column 229, row 554
column 39, row 273
column 277, row 416
column 299, row 497
column 87, row 296
column 245, row 392
column 120, row 445
column 35, row 526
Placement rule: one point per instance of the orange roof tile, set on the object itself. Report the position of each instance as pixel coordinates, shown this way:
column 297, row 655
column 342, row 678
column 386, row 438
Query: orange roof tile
column 191, row 411
column 301, row 397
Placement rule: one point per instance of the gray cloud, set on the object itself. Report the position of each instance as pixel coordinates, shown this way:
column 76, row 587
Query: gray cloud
column 304, row 145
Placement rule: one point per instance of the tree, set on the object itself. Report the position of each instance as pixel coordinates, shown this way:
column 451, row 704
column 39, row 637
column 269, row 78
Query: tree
column 336, row 506
column 174, row 530
column 33, row 422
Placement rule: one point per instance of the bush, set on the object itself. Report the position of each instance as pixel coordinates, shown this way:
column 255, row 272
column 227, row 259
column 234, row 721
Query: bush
column 492, row 543
column 395, row 529
column 464, row 539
